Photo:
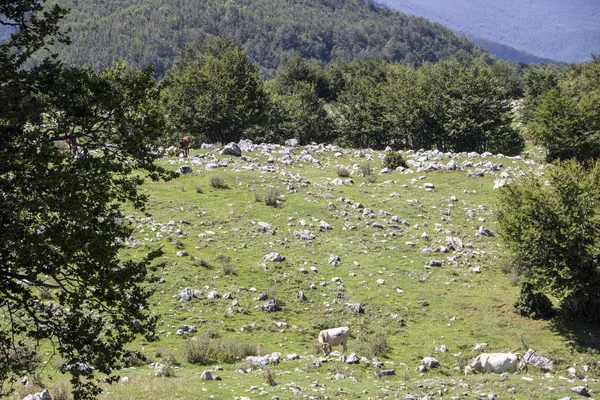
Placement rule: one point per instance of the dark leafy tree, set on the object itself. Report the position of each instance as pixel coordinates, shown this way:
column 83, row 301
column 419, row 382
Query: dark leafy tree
column 551, row 226
column 303, row 115
column 479, row 114
column 359, row 114
column 299, row 70
column 536, row 82
column 214, row 94
column 62, row 228
column 567, row 119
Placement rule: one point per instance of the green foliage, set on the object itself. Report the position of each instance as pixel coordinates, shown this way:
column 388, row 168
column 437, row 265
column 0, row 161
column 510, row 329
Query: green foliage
column 68, row 207
column 205, row 350
column 366, row 169
column 374, row 346
column 271, row 31
column 551, row 229
column 217, row 182
column 272, row 197
column 532, row 304
column 343, row 172
column 302, row 115
column 567, row 119
column 393, row 160
column 213, row 93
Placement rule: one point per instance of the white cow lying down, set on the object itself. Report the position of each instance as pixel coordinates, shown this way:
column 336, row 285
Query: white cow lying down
column 496, row 363
column 333, row 337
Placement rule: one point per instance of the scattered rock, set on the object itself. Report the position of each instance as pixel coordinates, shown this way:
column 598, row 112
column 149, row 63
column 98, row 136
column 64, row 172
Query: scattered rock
column 483, row 231
column 430, row 362
column 270, row 306
column 45, row 395
column 186, row 294
column 334, row 260
column 581, row 390
column 274, row 257
column 206, row 376
column 184, row 169
column 543, row 363
column 232, row 149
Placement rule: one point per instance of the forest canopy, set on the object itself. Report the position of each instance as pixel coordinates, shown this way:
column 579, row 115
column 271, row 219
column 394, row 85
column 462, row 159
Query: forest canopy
column 155, row 32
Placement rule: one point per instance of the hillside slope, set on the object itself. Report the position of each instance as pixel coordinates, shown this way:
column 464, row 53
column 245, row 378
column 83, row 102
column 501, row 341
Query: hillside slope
column 555, row 29
column 155, row 31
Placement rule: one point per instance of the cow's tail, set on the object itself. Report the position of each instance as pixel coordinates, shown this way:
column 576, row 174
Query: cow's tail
column 523, row 364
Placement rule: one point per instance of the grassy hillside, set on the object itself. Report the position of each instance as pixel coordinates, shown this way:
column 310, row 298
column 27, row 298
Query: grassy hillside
column 558, row 30
column 155, row 31
column 390, row 232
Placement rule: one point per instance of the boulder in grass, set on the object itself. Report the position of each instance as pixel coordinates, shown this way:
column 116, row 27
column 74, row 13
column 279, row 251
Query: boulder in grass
column 232, row 149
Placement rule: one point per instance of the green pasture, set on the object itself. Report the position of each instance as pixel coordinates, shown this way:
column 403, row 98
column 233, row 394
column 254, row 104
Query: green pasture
column 411, row 307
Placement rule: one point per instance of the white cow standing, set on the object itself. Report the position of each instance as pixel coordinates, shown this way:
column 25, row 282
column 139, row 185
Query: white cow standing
column 333, row 337
column 496, row 363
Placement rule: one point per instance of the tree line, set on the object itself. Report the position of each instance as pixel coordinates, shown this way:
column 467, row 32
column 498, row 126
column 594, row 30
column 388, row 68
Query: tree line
column 213, row 94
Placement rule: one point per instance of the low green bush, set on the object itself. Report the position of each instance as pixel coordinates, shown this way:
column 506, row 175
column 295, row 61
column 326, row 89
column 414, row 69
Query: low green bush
column 393, row 160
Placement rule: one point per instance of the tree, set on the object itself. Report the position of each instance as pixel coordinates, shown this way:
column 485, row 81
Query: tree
column 63, row 278
column 297, row 70
column 567, row 118
column 213, row 93
column 478, row 116
column 303, row 115
column 551, row 226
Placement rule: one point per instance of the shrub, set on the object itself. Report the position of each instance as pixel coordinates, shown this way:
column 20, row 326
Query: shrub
column 371, row 178
column 168, row 357
column 223, row 258
column 269, row 376
column 257, row 197
column 228, row 269
column 366, row 169
column 199, row 189
column 133, row 358
column 393, row 160
column 272, row 197
column 343, row 172
column 195, row 351
column 533, row 304
column 201, row 262
column 374, row 346
column 217, row 182
column 205, row 350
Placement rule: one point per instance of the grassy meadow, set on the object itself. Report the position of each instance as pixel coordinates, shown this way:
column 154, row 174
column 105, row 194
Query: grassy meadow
column 390, row 232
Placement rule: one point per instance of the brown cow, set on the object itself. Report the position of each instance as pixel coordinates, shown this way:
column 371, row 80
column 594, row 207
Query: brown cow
column 184, row 145
column 71, row 140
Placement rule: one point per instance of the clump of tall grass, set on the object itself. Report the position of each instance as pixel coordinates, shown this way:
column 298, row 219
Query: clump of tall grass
column 205, row 350
column 371, row 178
column 366, row 169
column 343, row 172
column 374, row 346
column 272, row 197
column 201, row 262
column 217, row 182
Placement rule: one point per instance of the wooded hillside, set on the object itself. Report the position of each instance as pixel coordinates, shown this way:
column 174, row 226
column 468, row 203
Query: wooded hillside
column 155, row 31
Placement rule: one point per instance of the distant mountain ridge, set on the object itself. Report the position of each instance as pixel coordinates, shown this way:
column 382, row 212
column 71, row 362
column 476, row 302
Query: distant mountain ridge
column 567, row 31
column 507, row 53
column 155, row 31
